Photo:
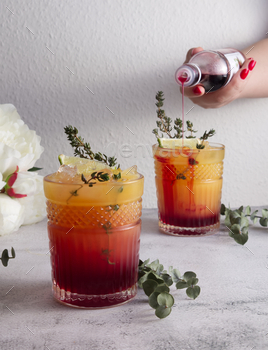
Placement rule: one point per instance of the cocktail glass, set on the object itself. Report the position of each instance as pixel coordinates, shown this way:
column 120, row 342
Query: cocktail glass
column 188, row 186
column 94, row 239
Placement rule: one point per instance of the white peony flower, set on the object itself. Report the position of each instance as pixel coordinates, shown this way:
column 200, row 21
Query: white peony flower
column 22, row 199
column 11, row 214
column 34, row 203
column 15, row 134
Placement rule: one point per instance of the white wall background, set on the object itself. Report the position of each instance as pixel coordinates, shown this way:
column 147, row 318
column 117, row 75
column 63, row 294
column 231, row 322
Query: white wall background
column 53, row 52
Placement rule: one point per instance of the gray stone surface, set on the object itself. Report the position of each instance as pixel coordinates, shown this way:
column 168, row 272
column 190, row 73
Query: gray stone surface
column 230, row 313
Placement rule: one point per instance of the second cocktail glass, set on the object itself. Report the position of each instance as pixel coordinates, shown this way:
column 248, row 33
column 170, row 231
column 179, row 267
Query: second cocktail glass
column 188, row 186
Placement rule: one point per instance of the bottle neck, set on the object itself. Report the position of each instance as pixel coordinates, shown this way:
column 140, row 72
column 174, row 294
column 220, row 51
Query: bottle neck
column 188, row 74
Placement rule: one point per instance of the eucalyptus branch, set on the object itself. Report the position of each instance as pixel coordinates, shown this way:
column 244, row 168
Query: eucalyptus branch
column 237, row 221
column 156, row 281
column 5, row 256
column 82, row 149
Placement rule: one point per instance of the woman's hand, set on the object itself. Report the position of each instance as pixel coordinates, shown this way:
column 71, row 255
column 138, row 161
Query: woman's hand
column 225, row 95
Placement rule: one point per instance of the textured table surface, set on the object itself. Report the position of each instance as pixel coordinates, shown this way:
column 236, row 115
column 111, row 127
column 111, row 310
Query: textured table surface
column 230, row 313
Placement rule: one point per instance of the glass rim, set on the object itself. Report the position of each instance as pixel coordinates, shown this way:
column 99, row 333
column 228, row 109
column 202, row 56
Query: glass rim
column 99, row 183
column 214, row 147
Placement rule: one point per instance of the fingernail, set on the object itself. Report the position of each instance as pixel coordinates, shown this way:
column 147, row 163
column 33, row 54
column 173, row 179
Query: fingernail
column 244, row 74
column 251, row 64
column 197, row 90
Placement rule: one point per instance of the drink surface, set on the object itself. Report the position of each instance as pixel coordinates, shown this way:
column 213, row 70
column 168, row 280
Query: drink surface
column 94, row 235
column 188, row 184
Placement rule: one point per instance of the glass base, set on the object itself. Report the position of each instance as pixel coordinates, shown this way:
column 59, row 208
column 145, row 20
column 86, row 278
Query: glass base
column 188, row 231
column 94, row 301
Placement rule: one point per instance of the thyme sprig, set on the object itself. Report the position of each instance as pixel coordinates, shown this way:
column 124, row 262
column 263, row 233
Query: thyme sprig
column 100, row 176
column 82, row 149
column 156, row 281
column 164, row 125
column 238, row 224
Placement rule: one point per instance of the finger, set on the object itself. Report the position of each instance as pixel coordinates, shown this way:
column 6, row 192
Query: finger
column 240, row 79
column 195, row 91
column 192, row 52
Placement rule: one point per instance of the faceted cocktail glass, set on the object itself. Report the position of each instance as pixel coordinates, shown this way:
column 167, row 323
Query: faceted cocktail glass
column 94, row 239
column 188, row 186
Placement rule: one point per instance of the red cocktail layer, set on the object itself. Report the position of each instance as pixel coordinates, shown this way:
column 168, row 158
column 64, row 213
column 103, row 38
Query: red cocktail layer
column 94, row 267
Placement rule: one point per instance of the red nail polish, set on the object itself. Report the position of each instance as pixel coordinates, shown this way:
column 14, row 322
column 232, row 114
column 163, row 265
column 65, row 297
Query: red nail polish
column 251, row 64
column 197, row 90
column 244, row 74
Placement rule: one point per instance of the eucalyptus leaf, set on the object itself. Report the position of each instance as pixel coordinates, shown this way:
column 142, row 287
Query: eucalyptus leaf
column 175, row 274
column 240, row 238
column 181, row 285
column 162, row 311
column 5, row 257
column 162, row 288
column 149, row 286
column 165, row 299
column 240, row 210
column 253, row 215
column 244, row 221
column 153, row 300
column 192, row 281
column 188, row 275
column 167, row 278
column 247, row 210
column 263, row 222
column 193, row 292
column 235, row 218
column 223, row 209
column 235, row 229
column 13, row 254
column 153, row 276
column 265, row 213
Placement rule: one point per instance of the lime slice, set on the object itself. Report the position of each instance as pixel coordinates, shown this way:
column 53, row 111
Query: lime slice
column 84, row 166
column 172, row 143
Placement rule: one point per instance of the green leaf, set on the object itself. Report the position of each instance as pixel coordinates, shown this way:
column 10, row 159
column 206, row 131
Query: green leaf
column 240, row 238
column 5, row 257
column 156, row 267
column 162, row 288
column 193, row 292
column 244, row 222
column 235, row 230
column 240, row 210
column 235, row 217
column 247, row 210
column 192, row 281
column 34, row 169
column 265, row 213
column 162, row 311
column 149, row 286
column 13, row 254
column 255, row 220
column 263, row 222
column 165, row 299
column 153, row 276
column 188, row 275
column 253, row 215
column 175, row 274
column 153, row 300
column 223, row 209
column 181, row 285
column 167, row 278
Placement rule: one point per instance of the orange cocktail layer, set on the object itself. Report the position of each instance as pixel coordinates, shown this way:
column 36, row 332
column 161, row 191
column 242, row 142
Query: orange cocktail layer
column 189, row 186
column 94, row 248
